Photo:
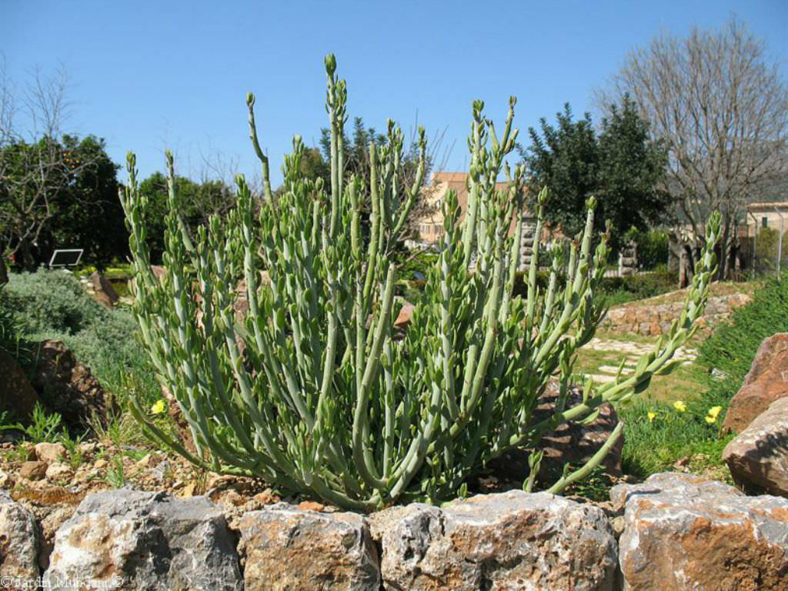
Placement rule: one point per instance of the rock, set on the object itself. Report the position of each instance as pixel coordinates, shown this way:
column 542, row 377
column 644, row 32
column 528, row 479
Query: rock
column 766, row 382
column 103, row 292
column 88, row 448
column 758, row 456
column 6, row 480
column 50, row 522
column 126, row 539
column 17, row 395
column 718, row 374
column 571, row 443
column 50, row 452
column 58, row 471
column 403, row 318
column 68, row 387
column 18, row 544
column 687, row 532
column 33, row 470
column 511, row 540
column 100, row 463
column 287, row 548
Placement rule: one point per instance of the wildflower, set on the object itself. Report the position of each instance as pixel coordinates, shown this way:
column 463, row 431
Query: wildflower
column 714, row 412
column 679, row 406
column 651, row 416
column 158, row 407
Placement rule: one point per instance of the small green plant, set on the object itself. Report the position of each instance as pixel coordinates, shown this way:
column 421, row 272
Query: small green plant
column 311, row 389
column 116, row 476
column 43, row 427
column 73, row 448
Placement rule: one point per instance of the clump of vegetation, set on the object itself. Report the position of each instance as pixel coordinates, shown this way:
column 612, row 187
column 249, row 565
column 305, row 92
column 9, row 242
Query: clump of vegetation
column 311, row 389
column 616, row 290
column 619, row 290
column 51, row 304
column 49, row 301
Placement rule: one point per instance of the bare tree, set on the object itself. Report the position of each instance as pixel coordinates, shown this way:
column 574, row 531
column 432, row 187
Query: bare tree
column 721, row 107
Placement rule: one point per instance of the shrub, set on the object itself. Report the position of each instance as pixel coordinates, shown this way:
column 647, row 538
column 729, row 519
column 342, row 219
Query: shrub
column 54, row 305
column 310, row 390
column 50, row 301
column 619, row 290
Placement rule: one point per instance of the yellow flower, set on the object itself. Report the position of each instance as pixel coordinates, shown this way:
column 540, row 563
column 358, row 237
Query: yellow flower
column 651, row 416
column 158, row 407
column 710, row 419
column 715, row 411
column 680, row 406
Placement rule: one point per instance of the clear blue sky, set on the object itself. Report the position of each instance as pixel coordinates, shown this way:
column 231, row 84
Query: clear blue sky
column 173, row 74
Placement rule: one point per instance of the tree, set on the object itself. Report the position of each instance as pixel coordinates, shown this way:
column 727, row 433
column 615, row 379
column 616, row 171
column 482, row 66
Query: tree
column 564, row 159
column 199, row 201
column 315, row 163
column 631, row 168
column 55, row 190
column 620, row 166
column 721, row 107
column 89, row 214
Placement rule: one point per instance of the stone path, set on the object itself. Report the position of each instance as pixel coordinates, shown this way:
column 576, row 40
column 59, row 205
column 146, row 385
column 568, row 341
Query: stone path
column 631, row 352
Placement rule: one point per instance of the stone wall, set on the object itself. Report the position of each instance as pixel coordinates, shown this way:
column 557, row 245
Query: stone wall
column 674, row 531
column 653, row 317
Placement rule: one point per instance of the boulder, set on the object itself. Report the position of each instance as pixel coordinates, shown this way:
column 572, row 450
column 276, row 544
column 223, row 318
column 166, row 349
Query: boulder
column 766, row 382
column 571, row 443
column 18, row 545
column 511, row 540
column 17, row 395
column 287, row 548
column 67, row 386
column 124, row 539
column 758, row 456
column 686, row 532
column 103, row 292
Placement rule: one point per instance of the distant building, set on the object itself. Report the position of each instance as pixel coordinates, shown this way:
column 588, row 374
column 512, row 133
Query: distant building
column 772, row 215
column 429, row 223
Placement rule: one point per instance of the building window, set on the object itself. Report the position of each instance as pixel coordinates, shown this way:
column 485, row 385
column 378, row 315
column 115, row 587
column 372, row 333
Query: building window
column 765, row 221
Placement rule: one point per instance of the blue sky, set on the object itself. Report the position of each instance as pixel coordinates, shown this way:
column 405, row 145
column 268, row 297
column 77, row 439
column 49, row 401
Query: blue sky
column 153, row 75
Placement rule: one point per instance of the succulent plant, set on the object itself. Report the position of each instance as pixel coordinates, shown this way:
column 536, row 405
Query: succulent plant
column 273, row 328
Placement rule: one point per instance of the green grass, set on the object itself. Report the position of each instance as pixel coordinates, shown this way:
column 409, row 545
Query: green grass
column 657, row 444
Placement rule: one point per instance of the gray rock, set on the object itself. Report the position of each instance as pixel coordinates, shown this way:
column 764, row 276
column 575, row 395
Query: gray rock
column 18, row 544
column 686, row 532
column 511, row 540
column 287, row 548
column 758, row 456
column 126, row 539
